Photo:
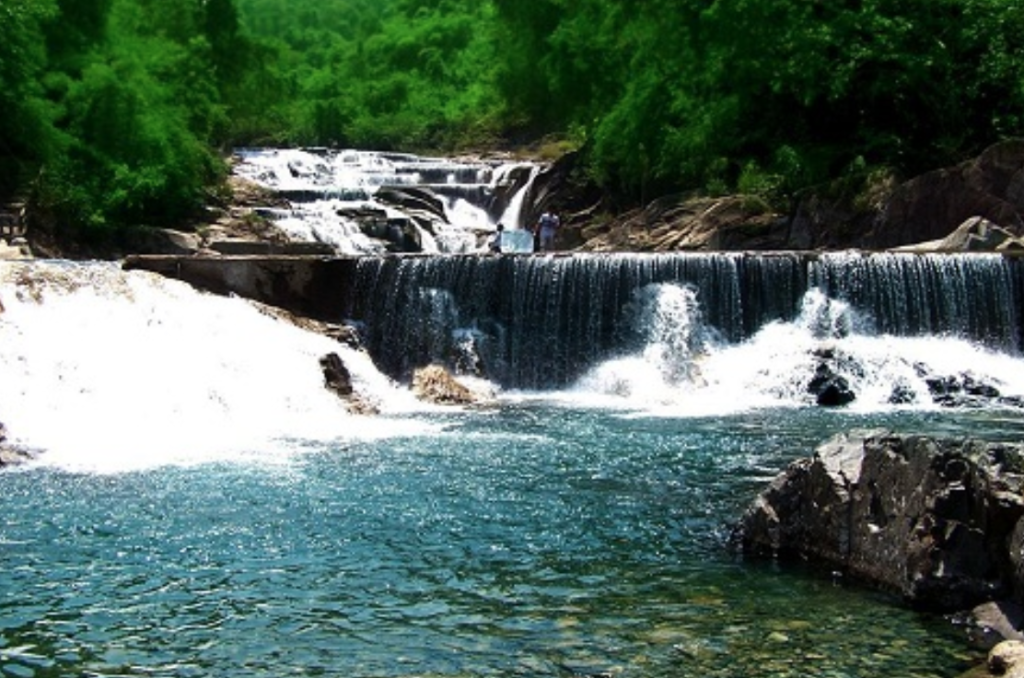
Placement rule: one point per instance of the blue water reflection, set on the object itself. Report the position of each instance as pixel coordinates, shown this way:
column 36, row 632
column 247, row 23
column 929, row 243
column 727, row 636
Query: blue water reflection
column 530, row 540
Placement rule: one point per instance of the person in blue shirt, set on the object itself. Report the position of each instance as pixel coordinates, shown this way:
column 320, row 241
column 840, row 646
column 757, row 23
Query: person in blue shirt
column 546, row 228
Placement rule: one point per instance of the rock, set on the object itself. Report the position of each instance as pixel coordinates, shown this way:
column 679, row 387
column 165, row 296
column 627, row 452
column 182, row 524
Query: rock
column 246, row 193
column 413, row 199
column 435, row 384
column 11, row 455
column 829, row 388
column 12, row 251
column 337, row 378
column 977, row 204
column 679, row 222
column 976, row 234
column 902, row 394
column 931, row 519
column 931, row 206
column 177, row 242
column 1007, row 659
column 962, row 390
column 996, row 621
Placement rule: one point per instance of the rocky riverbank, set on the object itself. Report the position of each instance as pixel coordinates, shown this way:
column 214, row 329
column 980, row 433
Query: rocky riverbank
column 982, row 199
column 873, row 212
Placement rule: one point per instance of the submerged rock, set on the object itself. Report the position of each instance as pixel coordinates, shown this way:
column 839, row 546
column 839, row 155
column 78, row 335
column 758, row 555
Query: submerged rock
column 963, row 390
column 828, row 386
column 936, row 520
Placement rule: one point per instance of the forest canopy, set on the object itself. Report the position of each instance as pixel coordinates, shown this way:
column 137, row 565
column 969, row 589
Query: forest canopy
column 119, row 113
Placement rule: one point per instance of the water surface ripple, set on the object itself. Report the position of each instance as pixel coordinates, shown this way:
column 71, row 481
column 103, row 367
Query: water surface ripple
column 533, row 540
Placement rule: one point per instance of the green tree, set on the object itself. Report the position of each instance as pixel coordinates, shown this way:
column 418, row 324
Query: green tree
column 26, row 137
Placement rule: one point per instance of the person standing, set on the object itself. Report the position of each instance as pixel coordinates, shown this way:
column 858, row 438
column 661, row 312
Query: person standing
column 546, row 228
column 495, row 244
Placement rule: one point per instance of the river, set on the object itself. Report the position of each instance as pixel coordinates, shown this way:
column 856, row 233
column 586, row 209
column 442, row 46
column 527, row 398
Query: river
column 201, row 505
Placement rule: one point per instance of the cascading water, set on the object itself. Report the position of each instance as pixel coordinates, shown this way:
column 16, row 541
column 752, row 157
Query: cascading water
column 106, row 371
column 666, row 338
column 976, row 296
column 362, row 202
column 202, row 505
column 620, row 323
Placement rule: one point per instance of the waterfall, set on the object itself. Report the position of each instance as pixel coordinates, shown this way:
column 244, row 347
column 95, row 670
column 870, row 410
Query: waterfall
column 973, row 295
column 198, row 376
column 355, row 200
column 515, row 238
column 547, row 319
column 104, row 369
column 544, row 322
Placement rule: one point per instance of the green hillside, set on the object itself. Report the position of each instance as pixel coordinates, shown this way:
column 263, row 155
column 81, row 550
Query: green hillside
column 117, row 112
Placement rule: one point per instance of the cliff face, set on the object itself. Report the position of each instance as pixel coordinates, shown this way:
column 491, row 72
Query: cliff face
column 937, row 520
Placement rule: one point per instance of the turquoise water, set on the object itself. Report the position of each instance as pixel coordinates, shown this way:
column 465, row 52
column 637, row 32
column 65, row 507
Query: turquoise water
column 530, row 540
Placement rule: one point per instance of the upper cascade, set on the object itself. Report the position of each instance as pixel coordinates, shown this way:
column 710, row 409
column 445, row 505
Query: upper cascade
column 368, row 203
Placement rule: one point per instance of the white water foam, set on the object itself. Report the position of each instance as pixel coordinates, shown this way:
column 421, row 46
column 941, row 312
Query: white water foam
column 103, row 370
column 346, row 182
column 683, row 370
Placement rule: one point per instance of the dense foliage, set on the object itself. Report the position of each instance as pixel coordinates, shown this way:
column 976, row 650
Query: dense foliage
column 115, row 112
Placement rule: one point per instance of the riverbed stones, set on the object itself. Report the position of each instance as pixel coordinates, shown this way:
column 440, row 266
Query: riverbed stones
column 930, row 518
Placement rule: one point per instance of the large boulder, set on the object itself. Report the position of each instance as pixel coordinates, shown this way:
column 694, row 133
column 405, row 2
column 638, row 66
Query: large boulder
column 937, row 520
column 931, row 206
